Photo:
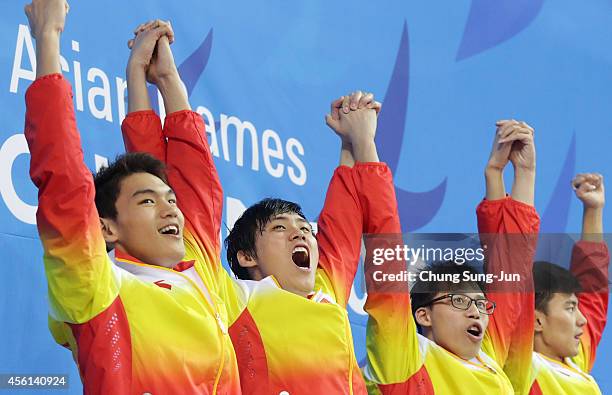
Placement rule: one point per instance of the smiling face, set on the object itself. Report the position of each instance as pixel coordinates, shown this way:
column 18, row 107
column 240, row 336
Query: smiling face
column 286, row 249
column 458, row 331
column 559, row 328
column 148, row 225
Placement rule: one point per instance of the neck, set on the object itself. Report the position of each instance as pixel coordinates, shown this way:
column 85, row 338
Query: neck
column 540, row 346
column 123, row 253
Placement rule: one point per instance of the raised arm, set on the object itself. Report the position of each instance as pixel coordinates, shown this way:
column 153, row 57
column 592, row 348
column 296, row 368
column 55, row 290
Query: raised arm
column 142, row 130
column 590, row 261
column 394, row 362
column 508, row 227
column 191, row 169
column 79, row 274
column 341, row 222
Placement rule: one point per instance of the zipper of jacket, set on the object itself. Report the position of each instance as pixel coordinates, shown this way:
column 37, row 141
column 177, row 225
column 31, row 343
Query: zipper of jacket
column 347, row 328
column 221, row 327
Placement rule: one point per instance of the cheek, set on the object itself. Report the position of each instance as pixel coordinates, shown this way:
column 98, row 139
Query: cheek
column 485, row 321
column 444, row 319
column 314, row 248
column 563, row 324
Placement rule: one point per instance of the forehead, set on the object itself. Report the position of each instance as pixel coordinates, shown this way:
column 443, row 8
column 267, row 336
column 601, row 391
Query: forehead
column 559, row 298
column 472, row 294
column 289, row 217
column 142, row 181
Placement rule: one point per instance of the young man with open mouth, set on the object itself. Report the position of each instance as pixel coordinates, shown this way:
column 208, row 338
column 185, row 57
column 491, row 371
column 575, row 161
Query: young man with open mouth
column 571, row 306
column 143, row 320
column 454, row 338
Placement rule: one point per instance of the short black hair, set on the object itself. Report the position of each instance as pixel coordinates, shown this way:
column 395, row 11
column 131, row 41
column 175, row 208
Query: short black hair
column 253, row 220
column 423, row 292
column 108, row 179
column 550, row 279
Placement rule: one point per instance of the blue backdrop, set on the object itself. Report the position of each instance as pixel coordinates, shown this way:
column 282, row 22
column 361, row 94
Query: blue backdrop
column 444, row 70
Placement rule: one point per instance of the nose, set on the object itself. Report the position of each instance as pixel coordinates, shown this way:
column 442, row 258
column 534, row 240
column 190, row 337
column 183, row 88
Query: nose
column 168, row 210
column 580, row 319
column 298, row 233
column 473, row 311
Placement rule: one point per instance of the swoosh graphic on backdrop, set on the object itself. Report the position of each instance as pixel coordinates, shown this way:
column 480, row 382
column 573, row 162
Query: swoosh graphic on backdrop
column 555, row 216
column 416, row 209
column 492, row 22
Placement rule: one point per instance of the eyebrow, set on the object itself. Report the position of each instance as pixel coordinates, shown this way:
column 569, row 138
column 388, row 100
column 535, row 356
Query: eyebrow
column 571, row 303
column 284, row 217
column 150, row 191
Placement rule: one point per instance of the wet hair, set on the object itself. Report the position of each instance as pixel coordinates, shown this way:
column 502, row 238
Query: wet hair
column 108, row 179
column 423, row 292
column 252, row 221
column 549, row 279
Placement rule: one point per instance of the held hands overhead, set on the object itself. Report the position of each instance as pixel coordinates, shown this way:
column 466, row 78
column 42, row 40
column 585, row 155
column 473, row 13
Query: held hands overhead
column 150, row 51
column 353, row 119
column 513, row 143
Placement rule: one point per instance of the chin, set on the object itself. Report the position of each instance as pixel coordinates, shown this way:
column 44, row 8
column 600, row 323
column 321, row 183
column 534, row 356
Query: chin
column 470, row 351
column 305, row 287
column 173, row 258
column 573, row 353
column 178, row 254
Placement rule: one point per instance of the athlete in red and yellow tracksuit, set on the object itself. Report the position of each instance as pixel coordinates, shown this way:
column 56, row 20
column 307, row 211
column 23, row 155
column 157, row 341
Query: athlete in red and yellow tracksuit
column 401, row 361
column 589, row 264
column 132, row 327
column 283, row 342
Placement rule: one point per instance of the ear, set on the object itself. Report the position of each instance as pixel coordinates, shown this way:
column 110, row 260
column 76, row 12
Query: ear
column 422, row 316
column 109, row 230
column 540, row 321
column 245, row 260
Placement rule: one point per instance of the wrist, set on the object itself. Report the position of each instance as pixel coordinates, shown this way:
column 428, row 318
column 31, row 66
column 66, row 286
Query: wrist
column 136, row 68
column 593, row 211
column 493, row 171
column 48, row 34
column 365, row 151
column 493, row 166
column 362, row 140
column 524, row 172
column 364, row 144
column 168, row 80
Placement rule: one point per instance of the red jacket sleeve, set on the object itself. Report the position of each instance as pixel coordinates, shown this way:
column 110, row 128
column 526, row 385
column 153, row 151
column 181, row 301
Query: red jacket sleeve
column 339, row 233
column 193, row 176
column 508, row 231
column 359, row 199
column 395, row 363
column 142, row 132
column 79, row 274
column 589, row 264
column 191, row 170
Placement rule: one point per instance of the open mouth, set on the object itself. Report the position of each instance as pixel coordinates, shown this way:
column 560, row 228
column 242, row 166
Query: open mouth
column 301, row 257
column 475, row 331
column 172, row 230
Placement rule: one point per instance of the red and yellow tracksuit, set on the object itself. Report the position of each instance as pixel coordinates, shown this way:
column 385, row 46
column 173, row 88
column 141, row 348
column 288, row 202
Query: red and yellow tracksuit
column 132, row 327
column 589, row 264
column 283, row 342
column 401, row 361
